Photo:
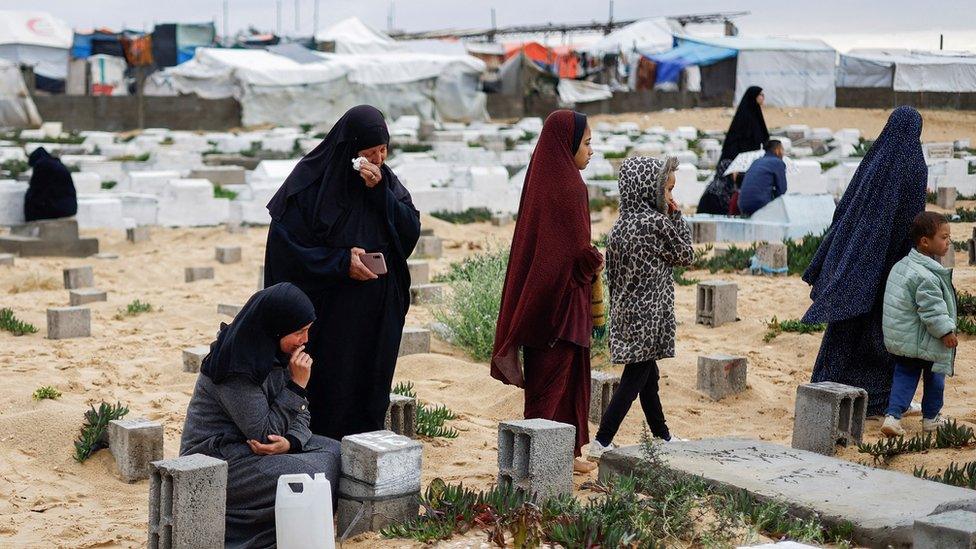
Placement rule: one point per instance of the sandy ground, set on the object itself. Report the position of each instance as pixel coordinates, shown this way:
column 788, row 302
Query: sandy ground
column 48, row 500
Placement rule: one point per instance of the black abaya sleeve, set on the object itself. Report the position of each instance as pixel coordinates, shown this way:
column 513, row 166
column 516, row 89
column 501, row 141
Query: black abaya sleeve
column 311, row 268
column 405, row 219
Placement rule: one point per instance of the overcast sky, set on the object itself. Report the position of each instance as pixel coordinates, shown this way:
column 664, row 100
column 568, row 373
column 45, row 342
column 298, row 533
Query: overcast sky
column 885, row 20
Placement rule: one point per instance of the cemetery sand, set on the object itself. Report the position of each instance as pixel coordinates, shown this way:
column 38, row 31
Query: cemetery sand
column 47, row 499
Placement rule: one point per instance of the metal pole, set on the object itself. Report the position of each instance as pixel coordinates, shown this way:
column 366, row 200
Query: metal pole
column 315, row 16
column 297, row 17
column 940, row 42
column 491, row 37
column 226, row 41
column 278, row 17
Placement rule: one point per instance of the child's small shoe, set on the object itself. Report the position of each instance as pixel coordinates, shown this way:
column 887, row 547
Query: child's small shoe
column 892, row 427
column 597, row 450
column 914, row 409
column 929, row 425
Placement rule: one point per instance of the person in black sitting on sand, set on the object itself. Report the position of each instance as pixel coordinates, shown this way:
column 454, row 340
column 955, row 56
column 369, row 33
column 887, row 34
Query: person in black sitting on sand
column 51, row 193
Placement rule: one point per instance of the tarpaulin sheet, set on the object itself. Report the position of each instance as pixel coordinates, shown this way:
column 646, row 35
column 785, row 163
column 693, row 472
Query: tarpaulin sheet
column 670, row 63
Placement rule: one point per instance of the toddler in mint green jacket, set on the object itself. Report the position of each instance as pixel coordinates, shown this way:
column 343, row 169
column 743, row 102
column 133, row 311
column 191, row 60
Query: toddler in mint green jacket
column 919, row 324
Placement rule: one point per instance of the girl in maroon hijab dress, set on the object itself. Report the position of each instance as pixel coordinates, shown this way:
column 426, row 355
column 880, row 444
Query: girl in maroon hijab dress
column 545, row 309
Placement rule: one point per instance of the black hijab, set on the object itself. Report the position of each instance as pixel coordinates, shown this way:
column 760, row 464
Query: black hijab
column 51, row 193
column 747, row 132
column 579, row 126
column 249, row 345
column 329, row 193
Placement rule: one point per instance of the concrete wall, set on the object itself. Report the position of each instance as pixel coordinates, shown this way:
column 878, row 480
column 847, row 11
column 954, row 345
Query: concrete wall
column 506, row 106
column 104, row 113
column 886, row 98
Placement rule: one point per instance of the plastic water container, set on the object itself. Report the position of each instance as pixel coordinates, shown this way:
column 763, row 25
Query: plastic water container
column 303, row 520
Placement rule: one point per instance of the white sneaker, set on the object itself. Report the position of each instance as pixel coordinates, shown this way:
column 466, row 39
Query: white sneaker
column 929, row 425
column 914, row 409
column 892, row 427
column 597, row 450
column 675, row 438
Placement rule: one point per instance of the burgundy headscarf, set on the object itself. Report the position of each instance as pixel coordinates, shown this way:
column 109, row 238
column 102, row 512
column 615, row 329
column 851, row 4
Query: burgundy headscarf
column 552, row 240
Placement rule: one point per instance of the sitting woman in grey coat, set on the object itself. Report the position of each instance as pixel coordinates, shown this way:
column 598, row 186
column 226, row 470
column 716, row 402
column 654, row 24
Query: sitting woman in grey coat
column 249, row 408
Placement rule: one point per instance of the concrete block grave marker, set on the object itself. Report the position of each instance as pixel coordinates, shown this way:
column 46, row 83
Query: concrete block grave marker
column 536, row 455
column 138, row 234
column 972, row 252
column 134, row 444
column 716, row 303
column 501, row 219
column 6, row 260
column 602, row 387
column 828, row 414
column 192, row 274
column 79, row 277
column 414, row 341
column 419, row 272
column 380, row 481
column 193, row 358
column 401, row 415
column 228, row 309
column 423, row 294
column 187, row 503
column 429, row 247
column 945, row 197
column 951, row 530
column 703, row 232
column 83, row 296
column 68, row 322
column 721, row 375
column 772, row 258
column 228, row 254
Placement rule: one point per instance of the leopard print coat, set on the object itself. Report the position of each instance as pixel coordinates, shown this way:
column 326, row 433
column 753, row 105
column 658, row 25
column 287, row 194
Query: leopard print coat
column 642, row 249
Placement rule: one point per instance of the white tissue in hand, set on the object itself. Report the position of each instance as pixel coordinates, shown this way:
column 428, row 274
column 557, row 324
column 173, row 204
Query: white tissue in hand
column 357, row 163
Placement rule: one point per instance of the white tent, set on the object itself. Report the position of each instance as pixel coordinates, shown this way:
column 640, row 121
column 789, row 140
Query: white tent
column 905, row 70
column 17, row 109
column 353, row 36
column 650, row 35
column 276, row 89
column 37, row 39
column 792, row 73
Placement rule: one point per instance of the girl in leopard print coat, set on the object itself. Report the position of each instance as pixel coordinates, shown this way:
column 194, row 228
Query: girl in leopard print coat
column 648, row 240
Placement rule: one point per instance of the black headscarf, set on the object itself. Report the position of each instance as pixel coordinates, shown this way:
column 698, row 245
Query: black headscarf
column 747, row 132
column 249, row 345
column 579, row 126
column 51, row 193
column 329, row 192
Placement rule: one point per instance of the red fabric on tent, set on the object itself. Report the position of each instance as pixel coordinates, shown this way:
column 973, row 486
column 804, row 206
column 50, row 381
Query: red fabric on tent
column 562, row 60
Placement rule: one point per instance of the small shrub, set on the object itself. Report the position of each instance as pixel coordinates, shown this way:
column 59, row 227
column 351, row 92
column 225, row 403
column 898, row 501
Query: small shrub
column 134, row 308
column 800, row 254
column 471, row 310
column 144, row 157
column 862, row 148
column 966, row 325
column 46, row 392
column 680, row 280
column 966, row 303
column 305, row 127
column 931, row 198
column 960, row 246
column 14, row 167
column 107, row 185
column 950, row 435
column 963, row 215
column 604, row 177
column 415, row 148
column 610, row 155
column 598, row 204
column 220, row 192
column 10, row 323
column 471, row 215
column 430, row 419
column 776, row 327
column 826, row 165
column 92, row 436
column 955, row 474
column 734, row 259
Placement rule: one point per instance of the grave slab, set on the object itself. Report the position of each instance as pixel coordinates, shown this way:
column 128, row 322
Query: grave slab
column 951, row 530
column 68, row 322
column 228, row 254
column 83, row 296
column 187, row 503
column 423, row 294
column 414, row 341
column 7, row 260
column 192, row 274
column 429, row 246
column 135, row 443
column 946, row 197
column 193, row 358
column 882, row 505
column 78, row 277
column 228, row 309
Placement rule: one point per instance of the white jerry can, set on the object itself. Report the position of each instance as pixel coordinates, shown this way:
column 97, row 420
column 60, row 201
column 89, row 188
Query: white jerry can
column 303, row 520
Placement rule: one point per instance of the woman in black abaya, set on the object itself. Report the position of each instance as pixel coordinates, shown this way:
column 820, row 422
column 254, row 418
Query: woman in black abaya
column 51, row 194
column 324, row 217
column 747, row 132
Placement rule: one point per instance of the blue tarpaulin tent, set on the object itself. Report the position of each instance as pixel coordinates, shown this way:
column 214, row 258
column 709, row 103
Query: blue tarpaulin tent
column 670, row 63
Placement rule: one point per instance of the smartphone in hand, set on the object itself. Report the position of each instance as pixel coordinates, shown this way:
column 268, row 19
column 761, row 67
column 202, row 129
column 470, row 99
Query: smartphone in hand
column 375, row 262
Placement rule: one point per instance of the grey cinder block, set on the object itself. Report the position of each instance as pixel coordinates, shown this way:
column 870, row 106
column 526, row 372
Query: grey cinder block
column 602, row 387
column 972, row 252
column 6, row 260
column 423, row 294
column 501, row 219
column 429, row 246
column 721, row 375
column 228, row 309
column 414, row 341
column 68, row 322
column 828, row 414
column 220, row 175
column 703, row 232
column 187, row 503
column 401, row 416
column 228, row 254
column 51, row 230
column 192, row 274
column 716, row 303
column 772, row 256
column 536, row 455
column 419, row 271
column 193, row 358
column 384, row 468
column 135, row 443
column 86, row 295
column 951, row 530
column 79, row 277
column 945, row 197
column 138, row 234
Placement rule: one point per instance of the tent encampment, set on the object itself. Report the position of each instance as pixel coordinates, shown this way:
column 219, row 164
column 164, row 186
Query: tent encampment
column 37, row 39
column 352, row 35
column 280, row 90
column 17, row 109
column 908, row 70
column 647, row 35
column 792, row 73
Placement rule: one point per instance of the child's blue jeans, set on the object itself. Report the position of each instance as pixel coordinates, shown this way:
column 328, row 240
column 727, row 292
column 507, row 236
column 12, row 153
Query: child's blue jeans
column 905, row 382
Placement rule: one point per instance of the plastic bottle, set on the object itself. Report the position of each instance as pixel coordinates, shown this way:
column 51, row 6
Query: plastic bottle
column 303, row 520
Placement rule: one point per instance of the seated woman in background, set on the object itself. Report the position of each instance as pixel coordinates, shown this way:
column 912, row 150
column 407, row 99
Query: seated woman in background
column 249, row 409
column 51, row 193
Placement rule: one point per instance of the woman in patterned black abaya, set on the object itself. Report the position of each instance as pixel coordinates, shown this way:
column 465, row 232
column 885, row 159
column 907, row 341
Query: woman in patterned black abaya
column 869, row 234
column 324, row 217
